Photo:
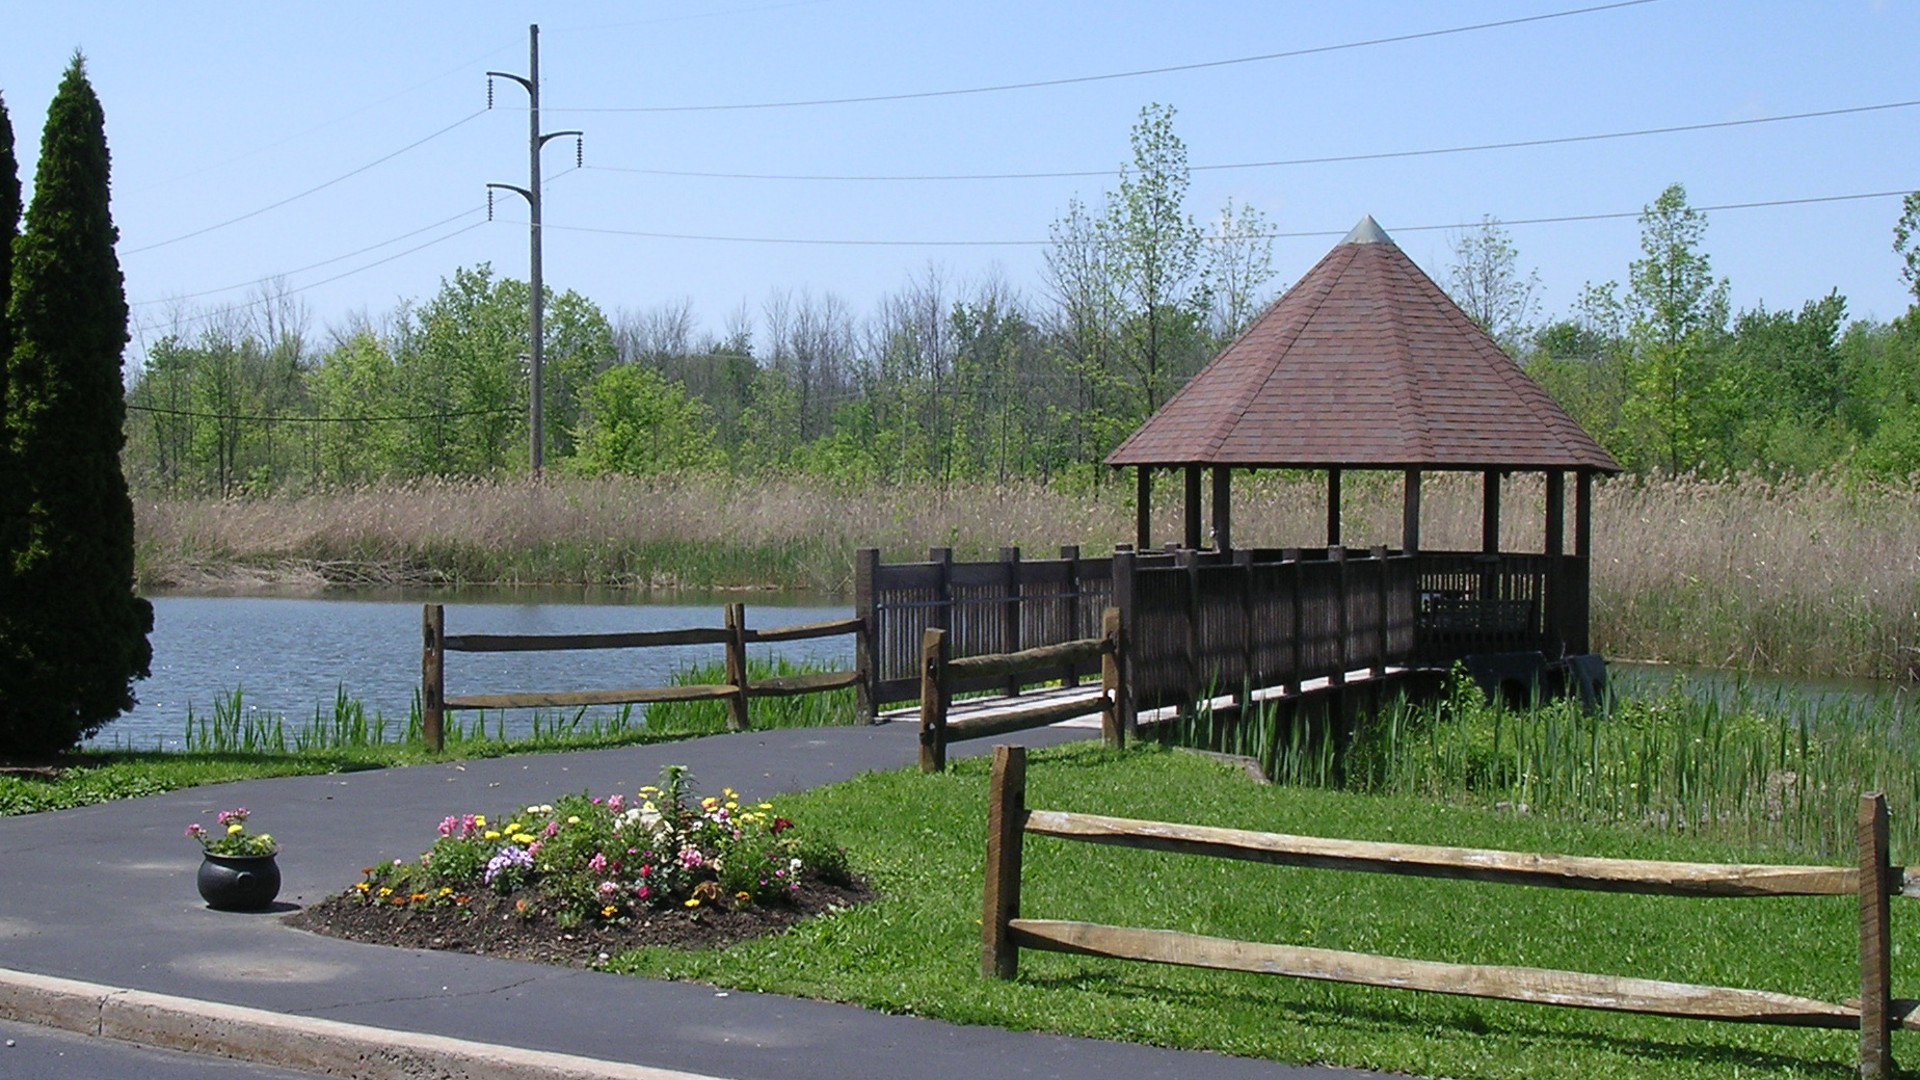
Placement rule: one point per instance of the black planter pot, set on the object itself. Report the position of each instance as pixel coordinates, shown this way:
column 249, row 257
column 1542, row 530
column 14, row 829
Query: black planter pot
column 238, row 882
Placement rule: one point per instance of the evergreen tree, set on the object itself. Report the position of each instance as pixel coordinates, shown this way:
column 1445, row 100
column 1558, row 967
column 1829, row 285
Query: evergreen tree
column 76, row 633
column 12, row 507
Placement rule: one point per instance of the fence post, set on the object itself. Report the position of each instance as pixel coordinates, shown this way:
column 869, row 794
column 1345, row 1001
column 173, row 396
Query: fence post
column 1343, row 626
column 1121, row 576
column 433, row 675
column 1010, row 611
column 933, row 700
column 1070, row 554
column 737, row 666
column 1876, row 960
column 1295, row 647
column 1113, row 715
column 866, row 573
column 1380, row 609
column 1249, row 648
column 1006, row 830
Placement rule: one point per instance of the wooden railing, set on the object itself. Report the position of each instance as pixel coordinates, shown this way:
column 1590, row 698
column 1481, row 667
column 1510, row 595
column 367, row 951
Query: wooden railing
column 1873, row 882
column 735, row 636
column 941, row 672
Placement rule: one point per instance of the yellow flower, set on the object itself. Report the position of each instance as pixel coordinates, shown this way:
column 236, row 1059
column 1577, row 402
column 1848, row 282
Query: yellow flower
column 363, row 886
column 385, row 892
column 235, row 829
column 492, row 835
column 743, row 896
column 693, row 901
column 573, row 821
column 480, row 820
column 766, row 806
column 445, row 891
column 609, row 911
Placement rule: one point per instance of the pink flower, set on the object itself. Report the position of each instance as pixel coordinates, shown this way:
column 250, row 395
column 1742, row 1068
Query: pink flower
column 194, row 830
column 615, row 803
column 597, row 864
column 448, row 824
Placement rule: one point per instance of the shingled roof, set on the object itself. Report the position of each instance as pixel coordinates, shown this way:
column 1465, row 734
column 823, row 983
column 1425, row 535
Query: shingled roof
column 1365, row 363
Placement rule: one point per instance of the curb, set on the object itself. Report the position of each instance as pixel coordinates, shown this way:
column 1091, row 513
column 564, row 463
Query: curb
column 327, row 1047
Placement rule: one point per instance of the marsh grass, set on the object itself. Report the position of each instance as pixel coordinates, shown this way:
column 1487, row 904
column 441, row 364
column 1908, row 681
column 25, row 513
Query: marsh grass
column 1774, row 768
column 1812, row 576
column 917, row 950
column 834, row 707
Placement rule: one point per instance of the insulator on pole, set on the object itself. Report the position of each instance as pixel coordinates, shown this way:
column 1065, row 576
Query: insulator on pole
column 489, row 91
column 489, row 204
column 579, row 153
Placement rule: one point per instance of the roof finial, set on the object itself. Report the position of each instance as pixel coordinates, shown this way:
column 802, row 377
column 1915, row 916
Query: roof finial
column 1368, row 232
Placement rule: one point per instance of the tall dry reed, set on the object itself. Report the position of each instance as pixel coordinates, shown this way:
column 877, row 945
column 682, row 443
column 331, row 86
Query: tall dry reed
column 1808, row 577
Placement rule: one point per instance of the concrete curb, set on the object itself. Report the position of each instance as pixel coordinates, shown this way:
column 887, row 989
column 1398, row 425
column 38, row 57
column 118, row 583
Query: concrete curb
column 326, row 1047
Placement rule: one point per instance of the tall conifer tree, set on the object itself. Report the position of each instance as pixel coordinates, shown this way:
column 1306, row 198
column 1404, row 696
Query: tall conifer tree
column 76, row 634
column 12, row 493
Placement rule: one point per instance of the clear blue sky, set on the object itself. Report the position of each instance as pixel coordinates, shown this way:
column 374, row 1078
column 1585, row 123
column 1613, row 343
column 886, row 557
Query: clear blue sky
column 215, row 111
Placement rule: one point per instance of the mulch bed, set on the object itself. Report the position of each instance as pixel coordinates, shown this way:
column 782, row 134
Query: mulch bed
column 489, row 925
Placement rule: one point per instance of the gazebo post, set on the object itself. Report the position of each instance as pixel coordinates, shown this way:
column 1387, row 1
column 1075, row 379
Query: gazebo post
column 1223, row 508
column 1556, row 548
column 1193, row 508
column 1333, row 507
column 1583, row 552
column 1410, row 514
column 1143, row 508
column 1490, row 512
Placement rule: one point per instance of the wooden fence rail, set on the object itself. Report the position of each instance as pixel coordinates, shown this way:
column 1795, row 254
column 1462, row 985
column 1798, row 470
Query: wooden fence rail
column 940, row 673
column 1873, row 881
column 735, row 636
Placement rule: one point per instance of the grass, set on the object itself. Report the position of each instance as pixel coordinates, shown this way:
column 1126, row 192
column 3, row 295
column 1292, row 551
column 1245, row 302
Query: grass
column 917, row 949
column 1812, row 576
column 1778, row 768
column 836, row 707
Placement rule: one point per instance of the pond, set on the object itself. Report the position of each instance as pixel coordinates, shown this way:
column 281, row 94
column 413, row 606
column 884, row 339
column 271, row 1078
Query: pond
column 290, row 656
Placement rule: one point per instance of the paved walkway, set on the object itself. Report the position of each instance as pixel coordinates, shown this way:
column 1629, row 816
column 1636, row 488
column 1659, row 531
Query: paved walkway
column 105, row 894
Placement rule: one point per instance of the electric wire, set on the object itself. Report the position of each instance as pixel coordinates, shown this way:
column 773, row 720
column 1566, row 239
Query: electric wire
column 1110, row 76
column 1553, row 220
column 294, row 418
column 1382, row 155
column 317, row 187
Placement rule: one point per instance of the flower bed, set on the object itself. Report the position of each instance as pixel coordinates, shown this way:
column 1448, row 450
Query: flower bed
column 584, row 878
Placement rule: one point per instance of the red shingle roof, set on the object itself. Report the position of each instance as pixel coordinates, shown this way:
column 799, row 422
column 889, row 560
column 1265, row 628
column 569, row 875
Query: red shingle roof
column 1365, row 363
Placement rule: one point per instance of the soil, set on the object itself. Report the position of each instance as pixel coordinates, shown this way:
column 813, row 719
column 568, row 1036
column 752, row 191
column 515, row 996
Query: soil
column 489, row 925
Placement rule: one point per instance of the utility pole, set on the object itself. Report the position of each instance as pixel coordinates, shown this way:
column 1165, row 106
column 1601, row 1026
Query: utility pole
column 531, row 193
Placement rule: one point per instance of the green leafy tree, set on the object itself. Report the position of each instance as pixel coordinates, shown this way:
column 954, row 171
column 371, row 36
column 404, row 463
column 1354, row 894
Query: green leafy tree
column 1485, row 280
column 637, row 423
column 76, row 632
column 1905, row 230
column 1678, row 313
column 356, row 378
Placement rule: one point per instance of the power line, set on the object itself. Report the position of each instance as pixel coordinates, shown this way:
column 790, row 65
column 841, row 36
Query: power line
column 1109, row 76
column 313, row 266
column 317, row 187
column 297, row 419
column 827, row 242
column 1326, row 160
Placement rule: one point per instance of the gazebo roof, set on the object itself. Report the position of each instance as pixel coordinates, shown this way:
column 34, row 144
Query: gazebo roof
column 1365, row 363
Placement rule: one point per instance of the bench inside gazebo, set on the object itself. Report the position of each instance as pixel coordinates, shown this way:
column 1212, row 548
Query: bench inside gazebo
column 1364, row 364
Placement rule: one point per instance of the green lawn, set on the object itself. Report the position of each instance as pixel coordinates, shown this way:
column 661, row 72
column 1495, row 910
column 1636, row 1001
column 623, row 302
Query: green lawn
column 921, row 840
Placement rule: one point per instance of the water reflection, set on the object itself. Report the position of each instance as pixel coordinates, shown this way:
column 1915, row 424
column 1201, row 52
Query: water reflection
column 289, row 655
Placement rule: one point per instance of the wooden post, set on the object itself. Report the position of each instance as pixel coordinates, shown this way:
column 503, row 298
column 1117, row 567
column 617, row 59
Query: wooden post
column 1070, row 554
column 943, row 614
column 1113, row 726
column 1343, row 625
column 1490, row 512
column 1143, row 508
column 1006, row 830
column 1192, row 508
column 1249, row 647
column 934, row 699
column 1577, row 603
column 1555, row 544
column 1010, row 612
column 1222, row 508
column 433, row 675
column 1122, row 579
column 737, row 666
column 866, row 571
column 1410, row 514
column 1333, row 507
column 1876, row 957
column 1291, row 556
column 1380, row 610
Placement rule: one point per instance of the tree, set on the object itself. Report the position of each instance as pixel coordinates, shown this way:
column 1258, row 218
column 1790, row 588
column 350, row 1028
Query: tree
column 1904, row 231
column 76, row 632
column 637, row 423
column 1678, row 317
column 1486, row 282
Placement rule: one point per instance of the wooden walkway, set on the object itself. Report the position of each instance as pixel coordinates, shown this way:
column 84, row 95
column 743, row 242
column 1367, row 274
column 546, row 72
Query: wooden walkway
column 990, row 707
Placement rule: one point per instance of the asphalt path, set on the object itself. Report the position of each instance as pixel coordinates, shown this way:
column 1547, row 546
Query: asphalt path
column 105, row 894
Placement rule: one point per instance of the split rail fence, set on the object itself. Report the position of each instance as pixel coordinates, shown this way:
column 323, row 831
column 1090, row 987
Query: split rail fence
column 735, row 692
column 940, row 672
column 1873, row 882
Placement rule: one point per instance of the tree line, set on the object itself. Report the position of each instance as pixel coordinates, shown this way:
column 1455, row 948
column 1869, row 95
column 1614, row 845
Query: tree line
column 947, row 380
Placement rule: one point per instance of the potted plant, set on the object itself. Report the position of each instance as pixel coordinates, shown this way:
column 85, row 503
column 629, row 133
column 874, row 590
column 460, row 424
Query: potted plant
column 237, row 870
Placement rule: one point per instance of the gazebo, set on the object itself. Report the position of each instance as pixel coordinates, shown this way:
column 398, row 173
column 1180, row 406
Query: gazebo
column 1365, row 363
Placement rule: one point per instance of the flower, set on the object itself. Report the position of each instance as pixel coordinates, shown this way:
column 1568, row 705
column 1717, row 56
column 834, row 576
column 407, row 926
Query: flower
column 233, row 840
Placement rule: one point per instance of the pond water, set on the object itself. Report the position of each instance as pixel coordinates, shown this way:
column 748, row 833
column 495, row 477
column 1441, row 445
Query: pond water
column 289, row 656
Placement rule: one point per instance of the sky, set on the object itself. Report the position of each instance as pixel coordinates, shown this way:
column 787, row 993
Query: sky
column 342, row 151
